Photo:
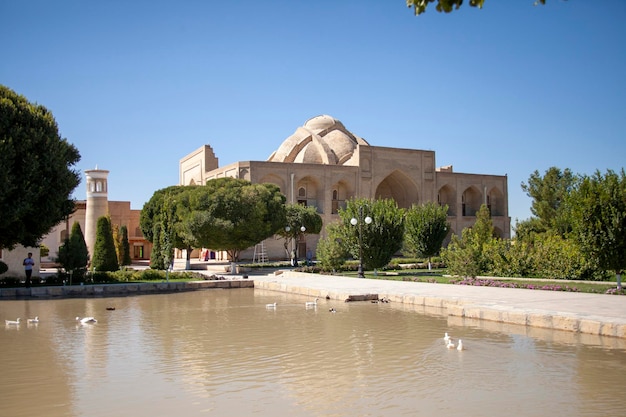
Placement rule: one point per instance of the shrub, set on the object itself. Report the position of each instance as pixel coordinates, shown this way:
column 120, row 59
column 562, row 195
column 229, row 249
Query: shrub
column 331, row 254
column 55, row 279
column 10, row 281
column 153, row 275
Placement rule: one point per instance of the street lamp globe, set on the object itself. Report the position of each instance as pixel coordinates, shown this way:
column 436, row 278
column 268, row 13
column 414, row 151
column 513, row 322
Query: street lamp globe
column 303, row 229
column 354, row 222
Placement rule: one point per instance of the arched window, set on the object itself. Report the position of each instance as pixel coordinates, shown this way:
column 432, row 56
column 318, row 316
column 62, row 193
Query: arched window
column 471, row 200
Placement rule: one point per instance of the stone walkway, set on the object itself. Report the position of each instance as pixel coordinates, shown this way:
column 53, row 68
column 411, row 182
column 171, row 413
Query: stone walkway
column 596, row 314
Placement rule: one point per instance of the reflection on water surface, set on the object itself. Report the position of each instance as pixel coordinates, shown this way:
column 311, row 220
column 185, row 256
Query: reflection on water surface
column 222, row 352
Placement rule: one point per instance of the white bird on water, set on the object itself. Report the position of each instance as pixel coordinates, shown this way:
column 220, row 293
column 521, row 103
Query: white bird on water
column 311, row 303
column 12, row 322
column 86, row 320
column 460, row 345
column 450, row 344
column 446, row 338
column 272, row 305
column 35, row 320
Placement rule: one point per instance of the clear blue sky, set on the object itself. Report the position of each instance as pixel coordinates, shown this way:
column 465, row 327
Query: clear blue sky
column 509, row 89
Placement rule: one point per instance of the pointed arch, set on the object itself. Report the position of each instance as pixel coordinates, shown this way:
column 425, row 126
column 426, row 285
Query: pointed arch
column 399, row 187
column 275, row 179
column 495, row 202
column 340, row 193
column 471, row 199
column 309, row 193
column 447, row 195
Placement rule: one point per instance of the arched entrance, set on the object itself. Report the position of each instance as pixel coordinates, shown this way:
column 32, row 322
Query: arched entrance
column 400, row 188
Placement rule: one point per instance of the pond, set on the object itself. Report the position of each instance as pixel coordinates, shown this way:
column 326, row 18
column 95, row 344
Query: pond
column 223, row 352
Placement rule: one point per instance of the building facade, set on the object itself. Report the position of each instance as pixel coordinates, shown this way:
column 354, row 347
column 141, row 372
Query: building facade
column 87, row 213
column 15, row 258
column 324, row 165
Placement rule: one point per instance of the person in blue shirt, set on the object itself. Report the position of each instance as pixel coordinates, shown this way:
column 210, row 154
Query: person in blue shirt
column 28, row 268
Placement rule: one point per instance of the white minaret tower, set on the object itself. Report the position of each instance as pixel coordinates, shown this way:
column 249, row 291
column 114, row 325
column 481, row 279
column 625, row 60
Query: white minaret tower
column 97, row 204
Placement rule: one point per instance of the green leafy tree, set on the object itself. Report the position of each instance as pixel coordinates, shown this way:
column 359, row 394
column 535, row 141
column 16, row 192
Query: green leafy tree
column 380, row 239
column 557, row 257
column 467, row 256
column 461, row 256
column 163, row 221
column 426, row 227
column 599, row 217
column 549, row 193
column 482, row 230
column 104, row 256
column 331, row 252
column 526, row 230
column 299, row 216
column 73, row 254
column 233, row 214
column 153, row 210
column 448, row 6
column 37, row 178
column 506, row 258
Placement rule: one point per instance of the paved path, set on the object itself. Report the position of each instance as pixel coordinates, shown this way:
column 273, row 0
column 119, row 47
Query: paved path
column 597, row 314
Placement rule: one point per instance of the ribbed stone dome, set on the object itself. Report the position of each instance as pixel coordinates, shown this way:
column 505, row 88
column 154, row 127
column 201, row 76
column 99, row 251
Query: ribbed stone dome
column 319, row 123
column 321, row 140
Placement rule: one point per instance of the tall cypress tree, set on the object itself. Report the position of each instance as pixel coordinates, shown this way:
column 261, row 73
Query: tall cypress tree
column 117, row 241
column 125, row 247
column 73, row 254
column 104, row 257
column 156, row 257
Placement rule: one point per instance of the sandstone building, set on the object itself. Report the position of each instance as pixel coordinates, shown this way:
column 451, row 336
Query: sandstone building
column 322, row 164
column 87, row 213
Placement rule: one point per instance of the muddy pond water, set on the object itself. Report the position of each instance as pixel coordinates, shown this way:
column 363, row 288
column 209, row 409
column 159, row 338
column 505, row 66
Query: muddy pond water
column 224, row 353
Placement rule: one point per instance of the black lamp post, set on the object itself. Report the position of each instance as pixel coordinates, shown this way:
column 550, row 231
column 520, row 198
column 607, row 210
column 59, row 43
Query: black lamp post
column 297, row 238
column 291, row 250
column 354, row 221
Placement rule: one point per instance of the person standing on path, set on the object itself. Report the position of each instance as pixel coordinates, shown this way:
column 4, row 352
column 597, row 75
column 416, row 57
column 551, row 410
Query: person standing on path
column 28, row 268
